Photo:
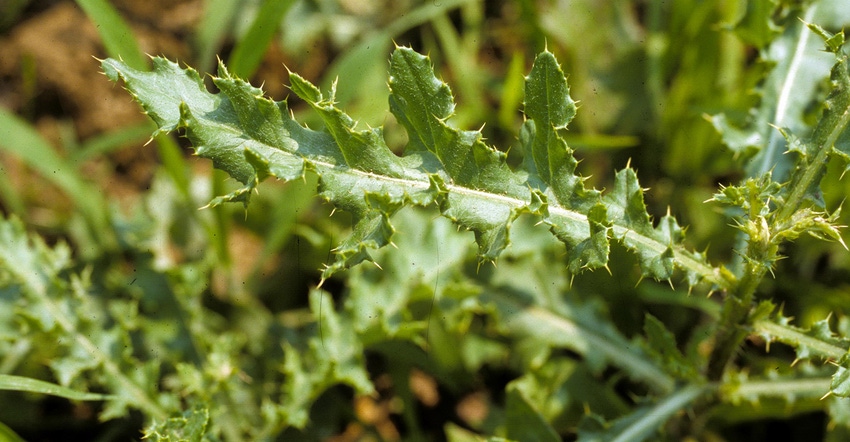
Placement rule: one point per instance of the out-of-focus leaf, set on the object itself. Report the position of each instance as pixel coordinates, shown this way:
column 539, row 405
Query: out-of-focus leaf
column 7, row 435
column 756, row 25
column 117, row 36
column 56, row 305
column 661, row 346
column 334, row 356
column 818, row 341
column 524, row 422
column 21, row 140
column 191, row 426
column 216, row 22
column 642, row 423
column 249, row 50
column 20, row 383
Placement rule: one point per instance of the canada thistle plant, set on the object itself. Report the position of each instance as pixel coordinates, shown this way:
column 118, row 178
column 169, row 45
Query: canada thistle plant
column 253, row 138
column 470, row 183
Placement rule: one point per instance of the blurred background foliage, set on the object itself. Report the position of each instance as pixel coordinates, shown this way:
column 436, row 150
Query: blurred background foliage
column 77, row 167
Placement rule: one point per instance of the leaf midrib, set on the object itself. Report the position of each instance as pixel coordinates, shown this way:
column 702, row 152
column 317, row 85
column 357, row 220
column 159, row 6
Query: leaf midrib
column 683, row 258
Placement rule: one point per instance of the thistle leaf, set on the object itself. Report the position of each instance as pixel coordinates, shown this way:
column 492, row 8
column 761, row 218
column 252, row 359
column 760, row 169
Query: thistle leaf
column 423, row 104
column 552, row 166
column 815, row 341
column 253, row 138
column 830, row 138
column 831, row 131
column 796, row 68
column 818, row 341
column 840, row 385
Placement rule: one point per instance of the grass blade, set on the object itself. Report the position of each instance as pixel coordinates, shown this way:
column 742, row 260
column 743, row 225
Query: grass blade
column 214, row 26
column 116, row 34
column 248, row 53
column 21, row 383
column 22, row 141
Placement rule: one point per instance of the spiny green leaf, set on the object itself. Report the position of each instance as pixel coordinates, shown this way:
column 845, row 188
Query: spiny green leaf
column 552, row 166
column 797, row 67
column 359, row 149
column 834, row 42
column 252, row 138
column 549, row 105
column 740, row 387
column 792, row 217
column 423, row 104
column 760, row 199
column 818, row 341
column 774, row 214
column 829, row 138
column 626, row 207
column 831, row 132
column 754, row 196
column 840, row 385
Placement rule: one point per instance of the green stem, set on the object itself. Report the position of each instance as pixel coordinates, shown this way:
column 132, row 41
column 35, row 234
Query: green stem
column 734, row 318
column 732, row 330
column 813, row 172
column 736, row 309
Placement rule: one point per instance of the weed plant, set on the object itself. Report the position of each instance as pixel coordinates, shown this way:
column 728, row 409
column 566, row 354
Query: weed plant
column 469, row 291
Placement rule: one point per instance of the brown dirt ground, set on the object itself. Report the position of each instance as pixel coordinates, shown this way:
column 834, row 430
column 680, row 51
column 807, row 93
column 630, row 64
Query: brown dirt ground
column 49, row 76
